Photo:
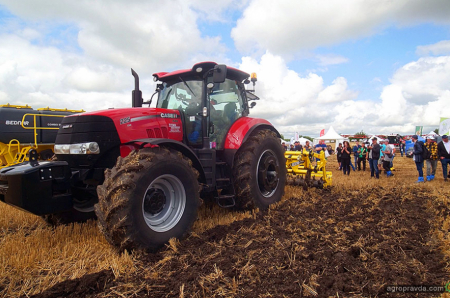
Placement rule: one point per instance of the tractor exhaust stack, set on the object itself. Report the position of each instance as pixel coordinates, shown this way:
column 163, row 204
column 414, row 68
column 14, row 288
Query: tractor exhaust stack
column 136, row 95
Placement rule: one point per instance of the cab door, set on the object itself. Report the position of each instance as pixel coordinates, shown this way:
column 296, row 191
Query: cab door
column 225, row 106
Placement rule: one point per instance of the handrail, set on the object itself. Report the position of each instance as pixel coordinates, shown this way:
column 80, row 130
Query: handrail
column 34, row 124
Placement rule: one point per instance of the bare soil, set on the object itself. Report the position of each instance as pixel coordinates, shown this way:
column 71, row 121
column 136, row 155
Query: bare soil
column 318, row 243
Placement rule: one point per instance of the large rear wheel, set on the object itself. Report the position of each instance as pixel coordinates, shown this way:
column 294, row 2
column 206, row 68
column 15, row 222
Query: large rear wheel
column 260, row 172
column 149, row 197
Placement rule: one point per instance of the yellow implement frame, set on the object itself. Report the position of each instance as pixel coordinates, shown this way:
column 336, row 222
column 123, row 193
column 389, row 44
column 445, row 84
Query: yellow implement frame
column 15, row 153
column 302, row 172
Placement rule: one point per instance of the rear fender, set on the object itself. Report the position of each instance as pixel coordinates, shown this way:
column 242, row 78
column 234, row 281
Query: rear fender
column 243, row 128
column 168, row 143
column 240, row 131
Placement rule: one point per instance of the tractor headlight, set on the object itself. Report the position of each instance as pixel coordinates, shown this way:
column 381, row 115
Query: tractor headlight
column 81, row 148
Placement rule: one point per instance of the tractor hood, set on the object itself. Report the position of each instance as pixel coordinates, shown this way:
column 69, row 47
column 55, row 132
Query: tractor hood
column 137, row 123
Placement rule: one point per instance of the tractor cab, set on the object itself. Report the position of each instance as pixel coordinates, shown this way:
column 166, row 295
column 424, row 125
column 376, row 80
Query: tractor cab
column 209, row 103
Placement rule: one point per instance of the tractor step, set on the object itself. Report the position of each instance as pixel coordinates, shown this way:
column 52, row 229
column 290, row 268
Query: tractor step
column 225, row 201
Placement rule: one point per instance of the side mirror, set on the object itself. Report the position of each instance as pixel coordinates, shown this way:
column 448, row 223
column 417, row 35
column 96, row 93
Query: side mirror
column 252, row 105
column 220, row 73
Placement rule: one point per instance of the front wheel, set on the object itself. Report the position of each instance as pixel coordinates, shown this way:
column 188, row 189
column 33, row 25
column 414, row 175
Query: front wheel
column 260, row 172
column 82, row 211
column 147, row 198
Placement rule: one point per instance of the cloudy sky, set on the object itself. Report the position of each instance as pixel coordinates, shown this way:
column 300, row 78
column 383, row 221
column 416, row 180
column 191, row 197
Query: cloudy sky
column 380, row 66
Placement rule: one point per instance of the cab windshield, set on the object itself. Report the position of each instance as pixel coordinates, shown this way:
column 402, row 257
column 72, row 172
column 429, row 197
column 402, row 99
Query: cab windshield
column 180, row 95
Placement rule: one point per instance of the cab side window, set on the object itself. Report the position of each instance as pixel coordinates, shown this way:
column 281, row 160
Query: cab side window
column 226, row 106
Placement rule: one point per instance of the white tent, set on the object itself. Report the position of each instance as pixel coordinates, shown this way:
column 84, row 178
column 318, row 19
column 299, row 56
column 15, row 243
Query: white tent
column 303, row 140
column 331, row 135
column 431, row 133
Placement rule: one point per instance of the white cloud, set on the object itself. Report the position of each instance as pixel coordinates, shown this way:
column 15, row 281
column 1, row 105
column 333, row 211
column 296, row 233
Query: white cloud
column 424, row 80
column 419, row 93
column 217, row 10
column 105, row 39
column 92, row 71
column 291, row 102
column 440, row 48
column 336, row 92
column 145, row 35
column 43, row 76
column 331, row 59
column 289, row 26
column 95, row 78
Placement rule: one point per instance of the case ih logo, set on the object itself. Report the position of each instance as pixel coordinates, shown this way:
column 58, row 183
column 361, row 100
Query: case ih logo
column 167, row 115
column 13, row 122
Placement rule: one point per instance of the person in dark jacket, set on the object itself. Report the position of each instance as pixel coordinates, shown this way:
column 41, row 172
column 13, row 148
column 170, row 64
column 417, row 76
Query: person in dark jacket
column 375, row 149
column 444, row 155
column 339, row 154
column 417, row 156
column 345, row 158
column 297, row 146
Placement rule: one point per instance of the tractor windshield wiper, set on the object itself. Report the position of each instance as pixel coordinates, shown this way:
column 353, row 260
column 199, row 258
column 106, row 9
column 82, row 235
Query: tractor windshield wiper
column 187, row 86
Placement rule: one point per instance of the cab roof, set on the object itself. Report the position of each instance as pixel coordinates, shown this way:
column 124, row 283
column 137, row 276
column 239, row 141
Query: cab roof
column 231, row 72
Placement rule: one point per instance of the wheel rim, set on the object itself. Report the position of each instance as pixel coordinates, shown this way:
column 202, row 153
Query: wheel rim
column 164, row 202
column 267, row 173
column 84, row 206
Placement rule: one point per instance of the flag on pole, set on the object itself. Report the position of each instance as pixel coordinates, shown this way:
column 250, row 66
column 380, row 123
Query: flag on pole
column 322, row 132
column 296, row 136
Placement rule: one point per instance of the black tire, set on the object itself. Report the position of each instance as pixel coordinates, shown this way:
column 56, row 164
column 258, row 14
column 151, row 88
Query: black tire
column 148, row 197
column 83, row 205
column 259, row 171
column 46, row 154
column 81, row 212
column 69, row 217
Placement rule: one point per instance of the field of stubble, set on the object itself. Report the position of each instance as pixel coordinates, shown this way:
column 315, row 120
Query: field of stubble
column 351, row 240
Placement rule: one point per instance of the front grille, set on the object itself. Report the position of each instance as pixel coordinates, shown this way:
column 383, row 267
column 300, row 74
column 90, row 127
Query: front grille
column 91, row 128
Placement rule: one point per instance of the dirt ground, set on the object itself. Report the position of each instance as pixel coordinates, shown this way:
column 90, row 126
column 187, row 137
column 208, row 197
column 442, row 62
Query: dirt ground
column 351, row 240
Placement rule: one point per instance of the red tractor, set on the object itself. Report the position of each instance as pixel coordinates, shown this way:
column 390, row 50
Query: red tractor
column 142, row 171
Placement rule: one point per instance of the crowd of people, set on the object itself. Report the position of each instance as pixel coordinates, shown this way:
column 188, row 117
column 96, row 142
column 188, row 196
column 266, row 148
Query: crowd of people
column 298, row 147
column 381, row 156
column 377, row 155
column 431, row 153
